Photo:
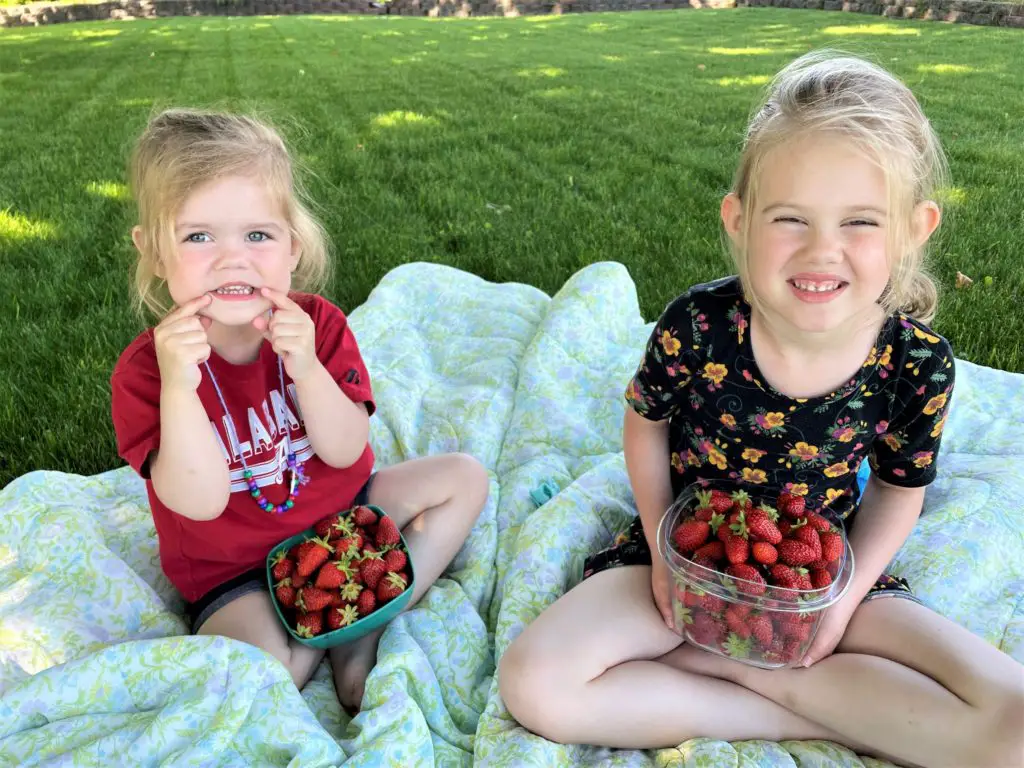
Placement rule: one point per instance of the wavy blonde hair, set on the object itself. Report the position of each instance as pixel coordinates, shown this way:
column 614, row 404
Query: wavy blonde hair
column 182, row 149
column 829, row 92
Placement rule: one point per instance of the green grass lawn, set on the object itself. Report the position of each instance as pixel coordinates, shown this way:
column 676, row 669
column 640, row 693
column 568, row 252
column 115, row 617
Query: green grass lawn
column 519, row 149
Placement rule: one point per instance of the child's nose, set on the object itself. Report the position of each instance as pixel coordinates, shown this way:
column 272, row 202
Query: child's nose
column 826, row 244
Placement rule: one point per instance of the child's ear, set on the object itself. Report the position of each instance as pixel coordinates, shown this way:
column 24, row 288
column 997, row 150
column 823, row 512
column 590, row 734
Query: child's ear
column 139, row 239
column 927, row 216
column 296, row 254
column 732, row 216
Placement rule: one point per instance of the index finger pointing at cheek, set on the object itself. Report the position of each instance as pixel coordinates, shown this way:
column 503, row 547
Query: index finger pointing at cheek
column 190, row 307
column 280, row 300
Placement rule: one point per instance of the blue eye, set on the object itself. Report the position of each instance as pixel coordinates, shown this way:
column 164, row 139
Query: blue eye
column 196, row 237
column 257, row 237
column 862, row 223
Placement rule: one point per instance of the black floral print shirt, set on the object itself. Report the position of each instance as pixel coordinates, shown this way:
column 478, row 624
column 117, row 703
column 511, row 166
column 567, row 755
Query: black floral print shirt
column 727, row 423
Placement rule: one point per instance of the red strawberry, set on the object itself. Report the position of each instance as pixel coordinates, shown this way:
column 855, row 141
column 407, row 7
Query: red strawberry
column 311, row 599
column 737, row 623
column 310, row 624
column 298, row 580
column 372, row 570
column 752, row 583
column 761, row 629
column 704, row 509
column 788, row 578
column 763, row 552
column 691, row 598
column 737, row 549
column 721, row 502
column 337, row 601
column 363, row 516
column 705, row 562
column 395, row 560
column 713, row 550
column 818, row 522
column 333, row 575
column 312, row 554
column 366, row 603
column 831, row 546
column 285, row 593
column 790, row 505
column 690, row 534
column 775, row 654
column 741, row 609
column 760, row 526
column 387, row 533
column 741, row 501
column 784, row 527
column 804, row 578
column 816, row 565
column 820, row 578
column 796, row 630
column 712, row 604
column 350, row 591
column 391, row 586
column 792, row 648
column 793, row 552
column 341, row 617
column 281, row 566
column 293, row 553
column 770, row 511
column 325, row 527
column 705, row 630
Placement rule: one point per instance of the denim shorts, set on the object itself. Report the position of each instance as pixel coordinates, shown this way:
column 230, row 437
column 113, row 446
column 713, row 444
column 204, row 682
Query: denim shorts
column 251, row 581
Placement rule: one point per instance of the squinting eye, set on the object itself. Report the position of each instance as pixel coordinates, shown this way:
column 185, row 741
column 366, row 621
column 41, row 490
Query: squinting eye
column 789, row 219
column 863, row 223
column 257, row 237
column 196, row 237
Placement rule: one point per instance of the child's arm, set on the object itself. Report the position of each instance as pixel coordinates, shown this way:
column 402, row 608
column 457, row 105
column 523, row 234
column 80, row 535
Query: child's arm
column 337, row 427
column 188, row 471
column 645, row 444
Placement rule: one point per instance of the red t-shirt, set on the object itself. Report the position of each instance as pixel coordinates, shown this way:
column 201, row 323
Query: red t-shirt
column 199, row 555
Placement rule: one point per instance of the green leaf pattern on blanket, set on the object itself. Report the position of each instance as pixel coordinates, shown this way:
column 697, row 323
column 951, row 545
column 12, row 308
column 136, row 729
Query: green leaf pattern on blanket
column 95, row 668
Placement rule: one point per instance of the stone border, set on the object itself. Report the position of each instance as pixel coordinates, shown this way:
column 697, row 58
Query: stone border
column 983, row 12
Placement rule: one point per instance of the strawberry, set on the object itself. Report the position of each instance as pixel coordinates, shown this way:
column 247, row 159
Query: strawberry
column 792, row 648
column 350, row 592
column 325, row 527
column 387, row 533
column 395, row 560
column 285, row 593
column 392, row 586
column 363, row 516
column 820, row 578
column 788, row 578
column 341, row 617
column 281, row 566
column 310, row 624
column 764, row 553
column 761, row 629
column 808, row 534
column 790, row 505
column 312, row 554
column 366, row 603
column 312, row 599
column 760, row 526
column 741, row 501
column 752, row 583
column 372, row 570
column 818, row 522
column 817, row 565
column 737, row 549
column 704, row 511
column 705, row 562
column 706, row 630
column 690, row 534
column 721, row 502
column 737, row 624
column 794, row 552
column 337, row 601
column 712, row 604
column 347, row 546
column 299, row 580
column 713, row 550
column 333, row 575
column 776, row 653
column 796, row 630
column 692, row 598
column 293, row 553
column 784, row 527
column 769, row 511
column 741, row 609
column 831, row 546
column 736, row 646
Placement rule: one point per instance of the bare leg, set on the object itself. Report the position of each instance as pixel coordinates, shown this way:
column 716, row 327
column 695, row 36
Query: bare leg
column 252, row 619
column 582, row 673
column 906, row 681
column 435, row 501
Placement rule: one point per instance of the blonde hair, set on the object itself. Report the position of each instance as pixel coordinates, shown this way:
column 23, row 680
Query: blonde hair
column 827, row 92
column 182, row 149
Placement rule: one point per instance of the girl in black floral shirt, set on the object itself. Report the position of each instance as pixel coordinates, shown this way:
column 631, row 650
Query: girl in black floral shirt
column 815, row 358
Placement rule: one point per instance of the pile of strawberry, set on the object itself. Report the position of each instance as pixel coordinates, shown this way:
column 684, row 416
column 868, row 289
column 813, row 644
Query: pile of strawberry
column 354, row 564
column 786, row 546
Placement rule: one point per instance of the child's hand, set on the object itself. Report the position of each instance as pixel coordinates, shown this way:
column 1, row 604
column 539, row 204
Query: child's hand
column 291, row 333
column 831, row 631
column 181, row 344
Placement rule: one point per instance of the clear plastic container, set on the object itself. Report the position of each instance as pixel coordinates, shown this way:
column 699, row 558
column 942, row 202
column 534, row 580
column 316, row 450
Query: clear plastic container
column 758, row 624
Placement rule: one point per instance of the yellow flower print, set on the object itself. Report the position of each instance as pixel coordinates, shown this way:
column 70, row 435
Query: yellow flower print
column 925, row 336
column 677, row 462
column 753, row 455
column 838, row 469
column 715, row 372
column 774, row 419
column 886, row 358
column 892, row 441
column 831, row 495
column 797, row 489
column 872, row 358
column 670, row 343
column 803, row 451
column 845, row 435
column 935, row 404
column 633, row 394
column 939, row 425
column 716, row 457
column 692, row 459
column 754, row 475
column 922, row 459
column 728, row 420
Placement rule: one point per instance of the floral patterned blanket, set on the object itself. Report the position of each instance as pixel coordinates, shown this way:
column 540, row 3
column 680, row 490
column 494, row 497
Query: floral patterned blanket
column 96, row 669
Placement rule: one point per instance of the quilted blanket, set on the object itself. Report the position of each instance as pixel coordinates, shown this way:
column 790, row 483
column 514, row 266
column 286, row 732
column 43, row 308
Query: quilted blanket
column 96, row 668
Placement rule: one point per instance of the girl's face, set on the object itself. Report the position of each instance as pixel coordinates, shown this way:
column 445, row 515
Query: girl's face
column 231, row 240
column 817, row 250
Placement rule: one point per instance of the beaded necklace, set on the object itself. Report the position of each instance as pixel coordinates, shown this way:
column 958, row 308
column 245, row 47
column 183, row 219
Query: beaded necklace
column 298, row 477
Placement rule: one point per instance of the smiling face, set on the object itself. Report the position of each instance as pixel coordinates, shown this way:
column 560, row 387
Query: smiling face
column 231, row 240
column 816, row 244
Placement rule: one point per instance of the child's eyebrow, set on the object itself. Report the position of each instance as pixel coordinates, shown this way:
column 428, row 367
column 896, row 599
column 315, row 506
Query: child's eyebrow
column 849, row 209
column 203, row 225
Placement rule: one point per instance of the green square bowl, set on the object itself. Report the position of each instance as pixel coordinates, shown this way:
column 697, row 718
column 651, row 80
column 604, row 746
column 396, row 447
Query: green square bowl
column 363, row 626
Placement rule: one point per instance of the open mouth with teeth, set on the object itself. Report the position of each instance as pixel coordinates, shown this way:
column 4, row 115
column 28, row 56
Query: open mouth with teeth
column 816, row 290
column 235, row 291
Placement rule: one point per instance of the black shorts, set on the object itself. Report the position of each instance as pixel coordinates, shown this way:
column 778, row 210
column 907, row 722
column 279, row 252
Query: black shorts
column 631, row 548
column 251, row 581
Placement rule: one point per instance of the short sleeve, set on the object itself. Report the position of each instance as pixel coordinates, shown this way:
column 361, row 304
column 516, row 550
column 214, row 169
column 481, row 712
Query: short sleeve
column 337, row 349
column 658, row 387
column 905, row 453
column 135, row 407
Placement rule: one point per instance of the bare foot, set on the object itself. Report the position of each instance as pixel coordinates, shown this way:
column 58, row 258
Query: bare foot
column 352, row 664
